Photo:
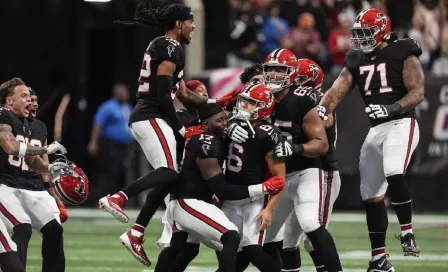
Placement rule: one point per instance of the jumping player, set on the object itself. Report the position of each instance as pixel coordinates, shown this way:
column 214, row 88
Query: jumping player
column 391, row 81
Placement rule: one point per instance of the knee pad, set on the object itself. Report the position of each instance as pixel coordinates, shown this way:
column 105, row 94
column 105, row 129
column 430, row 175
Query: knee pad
column 398, row 188
column 232, row 236
column 309, row 224
column 23, row 231
column 52, row 229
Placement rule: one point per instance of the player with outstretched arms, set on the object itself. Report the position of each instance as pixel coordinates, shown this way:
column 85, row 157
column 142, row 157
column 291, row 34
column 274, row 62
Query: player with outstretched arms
column 16, row 152
column 390, row 78
column 296, row 116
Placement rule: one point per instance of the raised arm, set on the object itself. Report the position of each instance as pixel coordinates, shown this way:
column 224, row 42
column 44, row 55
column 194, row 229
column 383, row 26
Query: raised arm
column 341, row 86
column 414, row 81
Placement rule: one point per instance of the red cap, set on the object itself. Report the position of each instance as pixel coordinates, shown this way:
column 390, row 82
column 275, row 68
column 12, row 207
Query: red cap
column 193, row 84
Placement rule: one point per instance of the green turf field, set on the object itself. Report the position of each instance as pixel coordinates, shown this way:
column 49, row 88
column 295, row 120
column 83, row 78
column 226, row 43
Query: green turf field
column 93, row 245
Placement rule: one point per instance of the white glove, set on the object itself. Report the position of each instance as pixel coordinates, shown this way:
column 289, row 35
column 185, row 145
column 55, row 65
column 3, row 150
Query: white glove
column 237, row 133
column 383, row 111
column 56, row 147
column 283, row 149
column 182, row 131
column 322, row 111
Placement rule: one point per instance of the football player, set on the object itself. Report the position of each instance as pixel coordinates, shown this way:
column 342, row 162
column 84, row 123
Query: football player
column 252, row 74
column 247, row 164
column 296, row 115
column 154, row 121
column 310, row 75
column 391, row 81
column 46, row 212
column 19, row 154
column 201, row 177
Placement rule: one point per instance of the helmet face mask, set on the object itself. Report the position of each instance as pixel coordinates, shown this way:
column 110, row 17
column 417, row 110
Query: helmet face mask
column 370, row 29
column 254, row 104
column 278, row 69
column 364, row 38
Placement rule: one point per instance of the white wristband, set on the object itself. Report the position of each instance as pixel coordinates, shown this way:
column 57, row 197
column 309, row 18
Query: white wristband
column 255, row 190
column 22, row 149
column 209, row 101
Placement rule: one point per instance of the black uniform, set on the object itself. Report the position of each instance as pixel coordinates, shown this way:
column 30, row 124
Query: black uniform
column 11, row 166
column 329, row 160
column 188, row 121
column 149, row 104
column 246, row 162
column 190, row 183
column 379, row 74
column 288, row 115
column 30, row 180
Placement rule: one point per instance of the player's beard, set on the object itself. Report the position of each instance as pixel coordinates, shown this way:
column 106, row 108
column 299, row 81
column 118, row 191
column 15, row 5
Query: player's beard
column 184, row 40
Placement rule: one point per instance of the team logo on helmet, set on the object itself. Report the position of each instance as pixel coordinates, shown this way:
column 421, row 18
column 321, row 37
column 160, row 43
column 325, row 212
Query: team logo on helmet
column 315, row 71
column 383, row 18
column 81, row 188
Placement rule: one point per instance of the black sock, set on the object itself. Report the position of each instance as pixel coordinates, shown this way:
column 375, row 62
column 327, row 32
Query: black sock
column 51, row 243
column 151, row 179
column 22, row 236
column 261, row 259
column 168, row 255
column 377, row 223
column 60, row 265
column 318, row 261
column 153, row 200
column 323, row 243
column 227, row 257
column 10, row 262
column 185, row 257
column 291, row 260
column 400, row 197
column 242, row 262
column 272, row 250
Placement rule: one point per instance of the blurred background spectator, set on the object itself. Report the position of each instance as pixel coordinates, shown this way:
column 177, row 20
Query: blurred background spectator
column 275, row 31
column 305, row 39
column 110, row 141
column 339, row 42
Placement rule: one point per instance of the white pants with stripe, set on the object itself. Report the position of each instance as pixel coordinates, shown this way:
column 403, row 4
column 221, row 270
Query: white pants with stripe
column 157, row 140
column 6, row 244
column 303, row 194
column 293, row 231
column 386, row 151
column 204, row 222
column 242, row 213
column 19, row 206
column 165, row 238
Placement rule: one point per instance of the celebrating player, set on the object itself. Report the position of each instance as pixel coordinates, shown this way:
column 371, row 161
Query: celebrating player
column 296, row 116
column 201, row 177
column 391, row 81
column 310, row 75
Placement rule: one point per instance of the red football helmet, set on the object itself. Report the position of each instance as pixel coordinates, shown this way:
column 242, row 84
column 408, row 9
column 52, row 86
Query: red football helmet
column 256, row 102
column 70, row 183
column 309, row 74
column 278, row 69
column 371, row 28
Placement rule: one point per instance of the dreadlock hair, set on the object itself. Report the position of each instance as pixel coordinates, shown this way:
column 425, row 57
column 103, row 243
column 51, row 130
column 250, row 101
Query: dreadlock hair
column 163, row 18
column 250, row 72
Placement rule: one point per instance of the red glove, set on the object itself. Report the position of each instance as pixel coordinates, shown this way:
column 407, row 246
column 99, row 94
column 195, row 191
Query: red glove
column 228, row 98
column 63, row 215
column 191, row 131
column 274, row 185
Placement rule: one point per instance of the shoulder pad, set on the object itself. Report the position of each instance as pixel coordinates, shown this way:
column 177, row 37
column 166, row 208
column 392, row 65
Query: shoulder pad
column 6, row 116
column 168, row 49
column 269, row 134
column 408, row 47
column 353, row 58
column 207, row 146
column 306, row 94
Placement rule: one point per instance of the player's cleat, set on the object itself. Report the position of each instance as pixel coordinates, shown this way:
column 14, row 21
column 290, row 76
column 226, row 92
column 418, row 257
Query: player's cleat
column 114, row 206
column 381, row 265
column 409, row 245
column 135, row 246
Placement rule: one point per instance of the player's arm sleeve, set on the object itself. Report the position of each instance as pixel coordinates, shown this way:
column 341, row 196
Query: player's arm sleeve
column 207, row 160
column 164, row 87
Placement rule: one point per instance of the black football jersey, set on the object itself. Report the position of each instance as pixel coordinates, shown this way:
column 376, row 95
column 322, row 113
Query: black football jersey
column 288, row 116
column 379, row 74
column 329, row 160
column 159, row 50
column 11, row 166
column 30, row 180
column 190, row 183
column 246, row 162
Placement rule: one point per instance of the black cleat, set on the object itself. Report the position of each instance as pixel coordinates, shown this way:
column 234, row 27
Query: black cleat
column 409, row 245
column 381, row 265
